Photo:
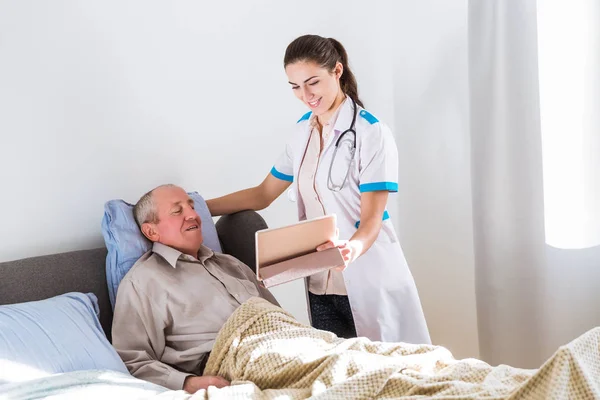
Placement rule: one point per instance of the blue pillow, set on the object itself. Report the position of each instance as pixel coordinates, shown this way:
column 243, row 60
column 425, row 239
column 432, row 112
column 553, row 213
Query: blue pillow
column 126, row 243
column 59, row 334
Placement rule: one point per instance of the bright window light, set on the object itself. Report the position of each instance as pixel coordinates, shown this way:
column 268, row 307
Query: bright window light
column 569, row 73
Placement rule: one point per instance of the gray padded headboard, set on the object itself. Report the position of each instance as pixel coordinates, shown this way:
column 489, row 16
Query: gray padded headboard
column 85, row 270
column 42, row 277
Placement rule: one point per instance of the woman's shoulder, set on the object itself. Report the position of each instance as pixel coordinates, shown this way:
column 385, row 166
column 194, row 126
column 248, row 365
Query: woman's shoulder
column 373, row 129
column 369, row 122
column 368, row 117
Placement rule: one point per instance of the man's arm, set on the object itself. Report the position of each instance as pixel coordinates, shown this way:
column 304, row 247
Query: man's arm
column 138, row 337
column 262, row 291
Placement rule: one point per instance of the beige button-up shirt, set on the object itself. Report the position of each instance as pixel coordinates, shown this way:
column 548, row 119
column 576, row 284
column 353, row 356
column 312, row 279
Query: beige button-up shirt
column 170, row 307
column 332, row 281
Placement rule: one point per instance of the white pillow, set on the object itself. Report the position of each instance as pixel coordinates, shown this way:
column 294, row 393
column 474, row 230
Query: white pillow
column 59, row 334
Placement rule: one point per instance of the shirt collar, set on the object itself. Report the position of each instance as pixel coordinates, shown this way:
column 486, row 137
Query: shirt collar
column 345, row 114
column 334, row 118
column 172, row 255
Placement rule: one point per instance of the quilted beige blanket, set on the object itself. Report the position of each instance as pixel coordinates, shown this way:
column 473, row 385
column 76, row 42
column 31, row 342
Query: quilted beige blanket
column 267, row 354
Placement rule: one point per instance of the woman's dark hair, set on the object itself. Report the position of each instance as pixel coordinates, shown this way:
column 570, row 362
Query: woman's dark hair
column 325, row 52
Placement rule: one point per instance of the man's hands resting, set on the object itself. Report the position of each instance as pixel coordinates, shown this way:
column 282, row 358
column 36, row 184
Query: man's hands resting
column 194, row 383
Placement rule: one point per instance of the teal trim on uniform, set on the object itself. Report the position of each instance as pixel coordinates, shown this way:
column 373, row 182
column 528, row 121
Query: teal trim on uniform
column 281, row 176
column 385, row 216
column 368, row 116
column 376, row 186
column 305, row 116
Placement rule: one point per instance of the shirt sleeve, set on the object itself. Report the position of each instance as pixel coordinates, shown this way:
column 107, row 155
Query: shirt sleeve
column 138, row 337
column 251, row 276
column 378, row 161
column 283, row 168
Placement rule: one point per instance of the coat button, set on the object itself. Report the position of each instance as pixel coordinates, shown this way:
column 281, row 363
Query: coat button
column 292, row 195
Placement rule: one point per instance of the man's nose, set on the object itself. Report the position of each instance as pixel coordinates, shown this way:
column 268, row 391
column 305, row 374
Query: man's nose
column 190, row 214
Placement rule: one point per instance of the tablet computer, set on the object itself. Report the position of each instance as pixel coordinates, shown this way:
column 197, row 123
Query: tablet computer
column 290, row 252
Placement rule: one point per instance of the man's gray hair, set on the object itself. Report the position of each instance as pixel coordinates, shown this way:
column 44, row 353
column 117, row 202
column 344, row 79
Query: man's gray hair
column 144, row 210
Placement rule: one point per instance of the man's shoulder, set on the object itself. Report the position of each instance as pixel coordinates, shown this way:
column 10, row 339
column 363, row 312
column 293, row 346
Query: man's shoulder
column 144, row 280
column 145, row 268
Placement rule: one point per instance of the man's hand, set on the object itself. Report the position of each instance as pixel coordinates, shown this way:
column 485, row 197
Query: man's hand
column 194, row 383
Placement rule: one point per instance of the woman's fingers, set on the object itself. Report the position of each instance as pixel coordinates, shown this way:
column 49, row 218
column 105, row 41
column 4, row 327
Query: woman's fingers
column 325, row 246
column 345, row 253
column 330, row 244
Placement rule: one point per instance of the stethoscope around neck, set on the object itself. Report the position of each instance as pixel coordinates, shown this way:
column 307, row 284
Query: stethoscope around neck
column 330, row 185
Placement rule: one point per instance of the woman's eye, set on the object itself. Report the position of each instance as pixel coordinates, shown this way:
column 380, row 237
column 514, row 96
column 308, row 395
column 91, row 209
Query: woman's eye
column 295, row 87
column 313, row 83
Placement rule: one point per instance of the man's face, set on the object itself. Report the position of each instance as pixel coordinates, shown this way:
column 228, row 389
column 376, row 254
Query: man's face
column 179, row 225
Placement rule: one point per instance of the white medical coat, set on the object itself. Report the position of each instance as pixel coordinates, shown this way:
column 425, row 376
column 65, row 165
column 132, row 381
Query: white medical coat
column 381, row 290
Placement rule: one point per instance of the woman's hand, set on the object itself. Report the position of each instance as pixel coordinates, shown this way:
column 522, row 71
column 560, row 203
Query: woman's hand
column 348, row 248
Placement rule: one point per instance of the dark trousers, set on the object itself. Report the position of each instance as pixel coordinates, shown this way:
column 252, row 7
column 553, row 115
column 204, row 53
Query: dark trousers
column 331, row 312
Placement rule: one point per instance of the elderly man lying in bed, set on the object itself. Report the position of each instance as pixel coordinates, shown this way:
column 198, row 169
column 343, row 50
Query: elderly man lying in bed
column 175, row 299
column 181, row 301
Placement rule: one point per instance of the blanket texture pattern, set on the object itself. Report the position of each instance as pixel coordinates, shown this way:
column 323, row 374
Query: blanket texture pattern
column 267, row 354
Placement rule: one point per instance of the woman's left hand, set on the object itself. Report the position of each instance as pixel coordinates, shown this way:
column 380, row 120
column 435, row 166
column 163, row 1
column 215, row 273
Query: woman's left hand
column 346, row 248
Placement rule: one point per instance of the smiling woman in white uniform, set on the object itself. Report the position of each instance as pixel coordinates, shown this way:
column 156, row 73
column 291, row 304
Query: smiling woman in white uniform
column 342, row 160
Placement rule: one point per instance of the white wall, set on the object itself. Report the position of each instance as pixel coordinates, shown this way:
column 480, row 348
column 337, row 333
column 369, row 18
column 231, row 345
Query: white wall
column 432, row 125
column 105, row 100
column 102, row 100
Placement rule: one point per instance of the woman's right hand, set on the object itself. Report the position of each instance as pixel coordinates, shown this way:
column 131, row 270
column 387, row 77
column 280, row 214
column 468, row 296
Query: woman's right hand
column 347, row 249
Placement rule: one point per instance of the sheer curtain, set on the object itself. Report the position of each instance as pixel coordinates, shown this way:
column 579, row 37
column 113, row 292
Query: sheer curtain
column 535, row 165
column 569, row 66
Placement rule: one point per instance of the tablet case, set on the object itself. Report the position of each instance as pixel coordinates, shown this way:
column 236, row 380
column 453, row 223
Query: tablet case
column 289, row 253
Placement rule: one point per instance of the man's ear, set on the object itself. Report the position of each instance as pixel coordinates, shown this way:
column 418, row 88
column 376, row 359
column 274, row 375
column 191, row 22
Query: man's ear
column 149, row 230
